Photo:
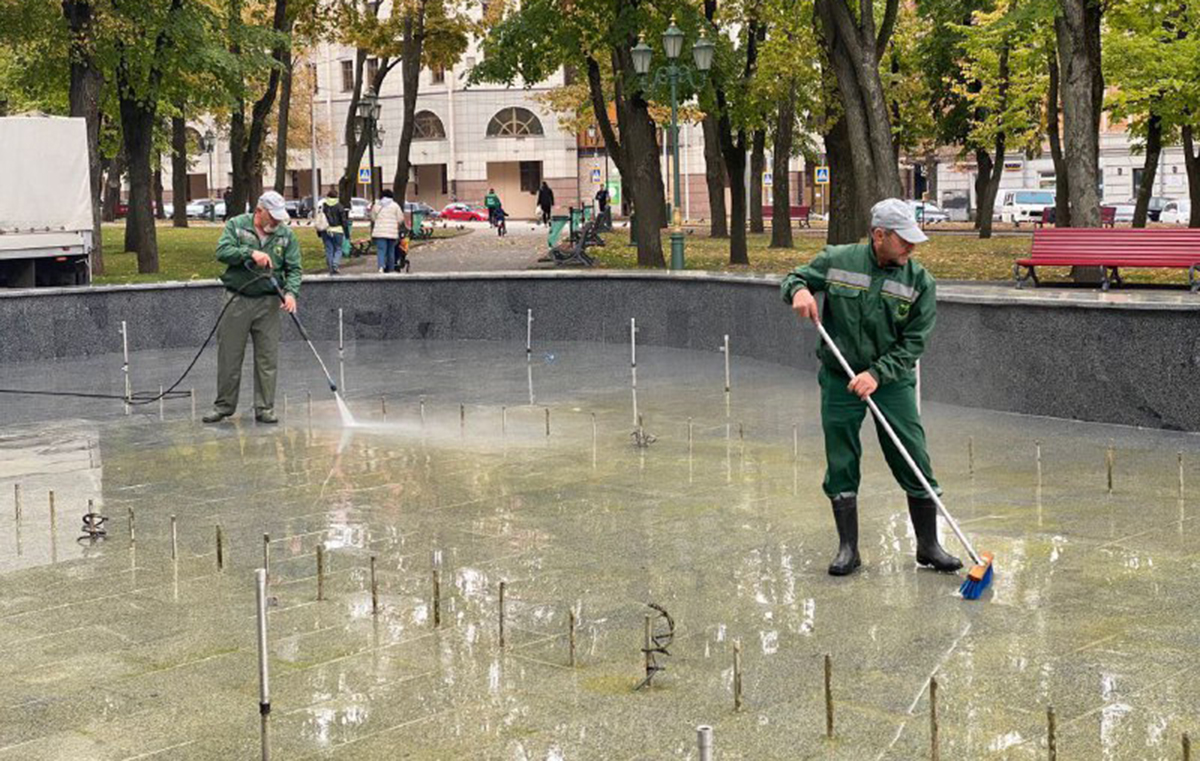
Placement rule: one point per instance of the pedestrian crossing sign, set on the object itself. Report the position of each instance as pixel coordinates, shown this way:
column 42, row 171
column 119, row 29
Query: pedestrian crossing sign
column 822, row 177
column 596, row 176
column 364, row 175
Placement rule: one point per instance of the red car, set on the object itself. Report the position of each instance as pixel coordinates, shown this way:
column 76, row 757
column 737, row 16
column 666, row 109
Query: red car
column 461, row 212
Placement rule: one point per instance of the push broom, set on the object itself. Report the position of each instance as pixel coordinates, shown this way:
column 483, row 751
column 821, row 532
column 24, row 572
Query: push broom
column 980, row 575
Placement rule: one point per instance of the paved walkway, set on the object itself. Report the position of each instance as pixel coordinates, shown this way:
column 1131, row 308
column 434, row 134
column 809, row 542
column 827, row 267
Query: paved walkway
column 478, row 249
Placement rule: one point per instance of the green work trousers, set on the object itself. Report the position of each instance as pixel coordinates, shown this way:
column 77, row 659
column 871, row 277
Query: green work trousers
column 255, row 317
column 842, row 415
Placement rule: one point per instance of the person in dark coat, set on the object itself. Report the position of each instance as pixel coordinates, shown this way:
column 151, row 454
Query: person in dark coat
column 545, row 201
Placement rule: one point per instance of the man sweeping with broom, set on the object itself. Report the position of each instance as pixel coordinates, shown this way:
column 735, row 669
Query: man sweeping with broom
column 879, row 310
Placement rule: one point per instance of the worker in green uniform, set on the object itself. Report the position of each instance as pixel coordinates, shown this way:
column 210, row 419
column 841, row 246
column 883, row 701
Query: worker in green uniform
column 879, row 308
column 255, row 247
column 491, row 202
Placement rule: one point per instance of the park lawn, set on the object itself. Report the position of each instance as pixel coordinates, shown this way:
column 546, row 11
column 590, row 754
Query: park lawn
column 948, row 256
column 190, row 253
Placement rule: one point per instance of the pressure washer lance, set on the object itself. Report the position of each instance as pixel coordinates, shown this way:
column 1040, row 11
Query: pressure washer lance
column 980, row 575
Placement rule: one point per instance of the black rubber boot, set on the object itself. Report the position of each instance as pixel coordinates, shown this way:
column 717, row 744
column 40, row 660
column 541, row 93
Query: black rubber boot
column 845, row 515
column 924, row 514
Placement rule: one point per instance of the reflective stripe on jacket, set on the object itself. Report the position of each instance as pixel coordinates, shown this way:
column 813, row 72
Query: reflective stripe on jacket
column 880, row 317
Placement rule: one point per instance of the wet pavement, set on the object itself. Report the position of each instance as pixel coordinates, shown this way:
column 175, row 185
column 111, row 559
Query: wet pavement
column 117, row 651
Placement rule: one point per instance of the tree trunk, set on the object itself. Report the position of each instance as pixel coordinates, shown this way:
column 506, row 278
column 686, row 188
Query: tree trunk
column 987, row 184
column 1192, row 164
column 179, row 169
column 137, row 132
column 159, row 206
column 281, row 128
column 758, row 165
column 714, row 177
column 931, row 170
column 1062, row 183
column 639, row 137
column 1153, row 150
column 848, row 222
column 781, row 222
column 1076, row 27
column 84, row 96
column 853, row 49
column 410, row 81
column 735, row 159
column 355, row 145
column 246, row 143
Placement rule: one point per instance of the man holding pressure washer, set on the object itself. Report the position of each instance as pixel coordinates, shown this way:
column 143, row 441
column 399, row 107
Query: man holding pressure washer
column 256, row 247
column 879, row 308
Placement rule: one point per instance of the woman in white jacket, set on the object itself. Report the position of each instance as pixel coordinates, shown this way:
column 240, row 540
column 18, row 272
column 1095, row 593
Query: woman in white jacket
column 387, row 218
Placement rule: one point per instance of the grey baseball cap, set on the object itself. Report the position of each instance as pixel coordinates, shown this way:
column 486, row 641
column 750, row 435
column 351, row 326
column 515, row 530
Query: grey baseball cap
column 896, row 215
column 273, row 203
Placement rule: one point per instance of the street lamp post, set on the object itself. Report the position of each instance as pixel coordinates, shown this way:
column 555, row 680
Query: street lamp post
column 208, row 142
column 368, row 115
column 674, row 73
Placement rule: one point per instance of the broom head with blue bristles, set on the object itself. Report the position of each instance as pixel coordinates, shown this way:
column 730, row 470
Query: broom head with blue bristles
column 979, row 578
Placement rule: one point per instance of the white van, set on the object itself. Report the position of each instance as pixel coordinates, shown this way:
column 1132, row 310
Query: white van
column 1017, row 206
column 1177, row 211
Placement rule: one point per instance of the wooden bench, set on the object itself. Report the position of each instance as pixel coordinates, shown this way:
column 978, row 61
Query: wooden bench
column 795, row 213
column 1111, row 249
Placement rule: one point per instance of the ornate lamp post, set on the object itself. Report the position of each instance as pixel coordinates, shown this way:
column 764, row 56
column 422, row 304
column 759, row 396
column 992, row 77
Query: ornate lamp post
column 208, row 143
column 368, row 118
column 674, row 73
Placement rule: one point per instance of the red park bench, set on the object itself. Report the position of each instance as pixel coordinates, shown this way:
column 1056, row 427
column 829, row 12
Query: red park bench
column 796, row 213
column 1110, row 250
column 1108, row 216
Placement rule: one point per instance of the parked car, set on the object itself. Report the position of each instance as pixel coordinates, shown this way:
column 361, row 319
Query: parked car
column 928, row 212
column 198, row 208
column 293, row 208
column 1177, row 211
column 305, row 207
column 424, row 208
column 461, row 212
column 360, row 209
column 1153, row 211
column 1122, row 212
column 1017, row 206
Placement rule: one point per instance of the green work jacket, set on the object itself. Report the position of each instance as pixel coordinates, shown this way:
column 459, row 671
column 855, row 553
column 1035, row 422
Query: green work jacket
column 880, row 317
column 239, row 240
column 491, row 201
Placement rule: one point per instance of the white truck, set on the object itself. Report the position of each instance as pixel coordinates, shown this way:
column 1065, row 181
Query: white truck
column 46, row 228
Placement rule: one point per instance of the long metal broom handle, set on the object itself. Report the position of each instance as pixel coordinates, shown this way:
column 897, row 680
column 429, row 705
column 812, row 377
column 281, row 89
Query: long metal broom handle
column 904, row 452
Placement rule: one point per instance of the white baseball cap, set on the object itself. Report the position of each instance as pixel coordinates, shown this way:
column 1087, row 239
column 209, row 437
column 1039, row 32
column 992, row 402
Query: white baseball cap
column 896, row 215
column 273, row 203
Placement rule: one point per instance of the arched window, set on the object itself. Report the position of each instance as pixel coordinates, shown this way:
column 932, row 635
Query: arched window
column 427, row 126
column 514, row 122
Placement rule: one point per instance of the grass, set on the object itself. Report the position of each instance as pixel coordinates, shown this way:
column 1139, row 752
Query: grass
column 190, row 253
column 949, row 255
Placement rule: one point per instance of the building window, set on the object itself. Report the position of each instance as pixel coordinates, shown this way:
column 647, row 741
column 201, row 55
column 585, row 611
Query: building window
column 347, row 76
column 316, row 82
column 531, row 176
column 570, row 75
column 470, row 62
column 427, row 126
column 437, row 75
column 372, row 71
column 514, row 122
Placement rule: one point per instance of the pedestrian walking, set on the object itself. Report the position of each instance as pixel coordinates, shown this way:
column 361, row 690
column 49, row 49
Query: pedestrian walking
column 386, row 218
